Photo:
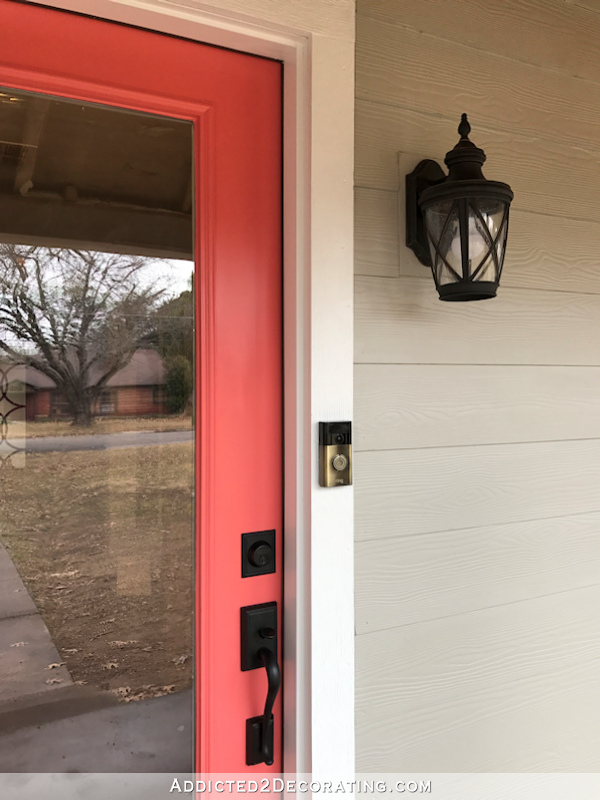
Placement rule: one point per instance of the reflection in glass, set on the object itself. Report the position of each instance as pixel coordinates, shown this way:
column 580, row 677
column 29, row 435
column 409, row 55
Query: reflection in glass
column 97, row 461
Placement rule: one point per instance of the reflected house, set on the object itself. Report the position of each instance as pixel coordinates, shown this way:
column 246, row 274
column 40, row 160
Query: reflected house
column 25, row 386
column 135, row 390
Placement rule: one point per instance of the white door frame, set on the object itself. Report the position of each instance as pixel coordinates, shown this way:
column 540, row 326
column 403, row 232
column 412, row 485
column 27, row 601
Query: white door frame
column 315, row 40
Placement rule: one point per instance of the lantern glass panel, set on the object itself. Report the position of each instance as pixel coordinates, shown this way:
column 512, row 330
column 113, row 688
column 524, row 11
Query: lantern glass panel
column 486, row 219
column 489, row 218
column 441, row 220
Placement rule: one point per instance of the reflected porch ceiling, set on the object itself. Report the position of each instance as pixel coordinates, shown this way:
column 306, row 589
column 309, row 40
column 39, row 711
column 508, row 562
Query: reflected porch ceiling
column 93, row 177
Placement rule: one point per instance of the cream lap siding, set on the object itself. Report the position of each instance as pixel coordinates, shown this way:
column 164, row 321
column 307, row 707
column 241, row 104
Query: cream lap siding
column 477, row 426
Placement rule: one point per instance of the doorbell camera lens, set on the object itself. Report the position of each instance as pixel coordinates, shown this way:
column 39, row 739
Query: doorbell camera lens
column 339, row 438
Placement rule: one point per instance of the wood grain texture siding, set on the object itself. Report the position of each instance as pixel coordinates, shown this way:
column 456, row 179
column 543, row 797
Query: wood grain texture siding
column 403, row 321
column 547, row 177
column 410, row 406
column 477, row 426
column 375, row 233
column 532, row 101
column 507, row 689
column 551, row 34
column 420, row 578
column 408, row 492
column 590, row 5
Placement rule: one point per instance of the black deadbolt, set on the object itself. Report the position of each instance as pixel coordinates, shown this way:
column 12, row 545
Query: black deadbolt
column 258, row 553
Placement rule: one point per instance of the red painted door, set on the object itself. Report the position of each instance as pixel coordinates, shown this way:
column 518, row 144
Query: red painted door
column 233, row 101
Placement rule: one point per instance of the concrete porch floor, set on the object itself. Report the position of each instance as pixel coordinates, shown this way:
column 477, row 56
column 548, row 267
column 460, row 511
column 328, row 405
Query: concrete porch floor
column 47, row 724
column 153, row 735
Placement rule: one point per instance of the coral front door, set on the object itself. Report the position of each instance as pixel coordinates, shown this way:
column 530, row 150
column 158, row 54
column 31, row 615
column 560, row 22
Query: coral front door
column 140, row 272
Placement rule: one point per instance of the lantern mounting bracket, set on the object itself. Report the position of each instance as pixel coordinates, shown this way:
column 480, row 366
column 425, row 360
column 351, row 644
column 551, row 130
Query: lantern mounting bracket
column 427, row 173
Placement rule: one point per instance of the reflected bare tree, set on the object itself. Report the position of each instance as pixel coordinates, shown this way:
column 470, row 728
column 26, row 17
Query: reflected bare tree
column 74, row 315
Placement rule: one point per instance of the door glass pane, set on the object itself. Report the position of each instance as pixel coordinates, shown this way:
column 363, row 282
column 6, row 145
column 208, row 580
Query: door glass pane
column 97, row 438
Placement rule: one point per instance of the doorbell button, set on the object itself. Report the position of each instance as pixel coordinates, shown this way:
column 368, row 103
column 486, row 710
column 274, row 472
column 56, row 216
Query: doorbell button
column 339, row 462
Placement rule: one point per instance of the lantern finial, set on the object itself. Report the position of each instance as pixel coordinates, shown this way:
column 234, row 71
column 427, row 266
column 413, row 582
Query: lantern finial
column 464, row 128
column 465, row 159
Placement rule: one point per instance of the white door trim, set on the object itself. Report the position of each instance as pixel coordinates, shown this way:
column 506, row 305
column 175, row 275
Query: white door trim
column 318, row 331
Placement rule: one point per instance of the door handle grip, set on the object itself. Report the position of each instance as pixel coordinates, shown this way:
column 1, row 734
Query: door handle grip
column 269, row 661
column 258, row 627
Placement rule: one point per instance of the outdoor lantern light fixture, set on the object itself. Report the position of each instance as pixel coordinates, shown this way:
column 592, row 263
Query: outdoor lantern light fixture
column 457, row 224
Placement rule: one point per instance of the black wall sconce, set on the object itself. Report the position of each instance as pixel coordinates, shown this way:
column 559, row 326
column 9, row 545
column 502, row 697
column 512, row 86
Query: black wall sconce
column 457, row 224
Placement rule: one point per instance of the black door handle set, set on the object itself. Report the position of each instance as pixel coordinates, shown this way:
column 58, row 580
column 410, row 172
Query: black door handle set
column 259, row 649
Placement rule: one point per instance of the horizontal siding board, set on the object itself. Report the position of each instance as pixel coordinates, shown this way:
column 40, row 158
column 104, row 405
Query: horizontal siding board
column 496, row 91
column 565, row 34
column 375, row 232
column 543, row 254
column 539, row 253
column 420, row 578
column 409, row 406
column 407, row 492
column 508, row 689
column 401, row 320
column 590, row 5
column 547, row 177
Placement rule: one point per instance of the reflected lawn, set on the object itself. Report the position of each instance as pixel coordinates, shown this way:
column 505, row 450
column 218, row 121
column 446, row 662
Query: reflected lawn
column 103, row 541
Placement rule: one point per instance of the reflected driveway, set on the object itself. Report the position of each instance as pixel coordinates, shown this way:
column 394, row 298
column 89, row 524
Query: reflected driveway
column 103, row 441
